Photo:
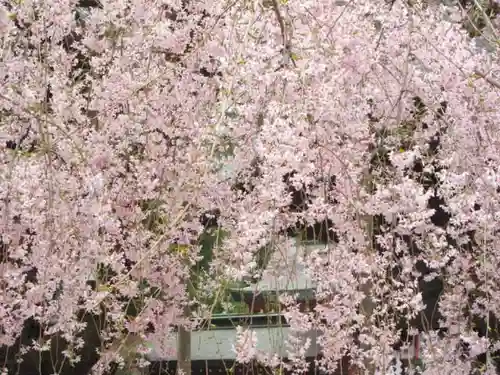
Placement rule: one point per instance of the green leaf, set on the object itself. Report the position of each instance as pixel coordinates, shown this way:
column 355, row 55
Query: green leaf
column 105, row 288
column 179, row 249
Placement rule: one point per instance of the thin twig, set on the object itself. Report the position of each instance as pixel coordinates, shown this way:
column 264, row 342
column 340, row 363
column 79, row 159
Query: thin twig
column 486, row 19
column 484, row 76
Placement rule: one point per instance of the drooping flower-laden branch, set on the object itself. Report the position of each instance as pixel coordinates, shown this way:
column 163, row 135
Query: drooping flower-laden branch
column 122, row 126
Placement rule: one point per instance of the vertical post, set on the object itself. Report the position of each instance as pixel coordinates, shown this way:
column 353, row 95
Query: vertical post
column 367, row 307
column 184, row 347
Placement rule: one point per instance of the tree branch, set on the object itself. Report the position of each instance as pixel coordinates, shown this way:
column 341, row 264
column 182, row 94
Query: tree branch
column 286, row 42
